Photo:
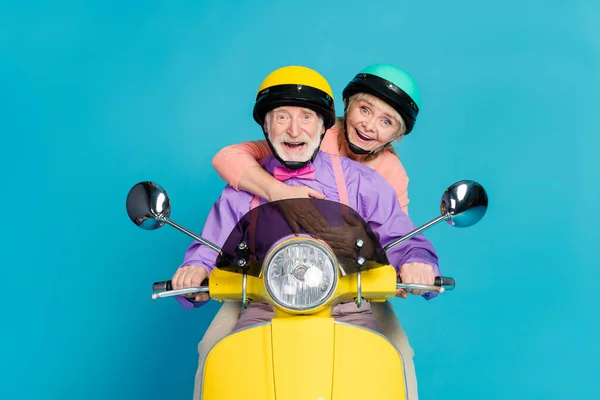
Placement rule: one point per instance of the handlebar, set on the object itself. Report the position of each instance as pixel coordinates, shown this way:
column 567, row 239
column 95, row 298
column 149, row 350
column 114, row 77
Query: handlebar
column 441, row 284
column 165, row 289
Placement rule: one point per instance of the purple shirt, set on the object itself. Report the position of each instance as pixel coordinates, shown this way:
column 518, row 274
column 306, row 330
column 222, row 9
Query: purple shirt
column 368, row 193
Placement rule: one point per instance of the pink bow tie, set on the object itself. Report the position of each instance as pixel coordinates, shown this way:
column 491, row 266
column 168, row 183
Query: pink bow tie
column 307, row 172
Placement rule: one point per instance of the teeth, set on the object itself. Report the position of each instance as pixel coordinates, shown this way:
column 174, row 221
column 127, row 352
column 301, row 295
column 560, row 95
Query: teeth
column 363, row 137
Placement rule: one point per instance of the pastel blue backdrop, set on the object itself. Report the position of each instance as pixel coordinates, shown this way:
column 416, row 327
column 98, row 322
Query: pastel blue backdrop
column 96, row 96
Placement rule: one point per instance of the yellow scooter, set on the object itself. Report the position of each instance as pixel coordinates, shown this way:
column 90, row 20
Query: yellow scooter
column 302, row 353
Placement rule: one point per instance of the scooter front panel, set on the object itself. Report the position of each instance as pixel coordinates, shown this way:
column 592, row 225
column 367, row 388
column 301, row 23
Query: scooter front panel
column 367, row 366
column 240, row 366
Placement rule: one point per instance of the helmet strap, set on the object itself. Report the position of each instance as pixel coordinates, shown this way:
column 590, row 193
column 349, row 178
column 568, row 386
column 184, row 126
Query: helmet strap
column 358, row 150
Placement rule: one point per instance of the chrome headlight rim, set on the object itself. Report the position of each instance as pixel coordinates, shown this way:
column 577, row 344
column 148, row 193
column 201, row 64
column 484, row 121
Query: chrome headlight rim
column 283, row 244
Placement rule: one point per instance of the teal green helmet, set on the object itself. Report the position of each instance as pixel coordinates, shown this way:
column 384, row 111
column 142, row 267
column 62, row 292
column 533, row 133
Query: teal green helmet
column 392, row 85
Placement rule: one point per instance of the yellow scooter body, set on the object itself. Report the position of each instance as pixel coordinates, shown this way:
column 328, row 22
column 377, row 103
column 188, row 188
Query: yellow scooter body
column 304, row 357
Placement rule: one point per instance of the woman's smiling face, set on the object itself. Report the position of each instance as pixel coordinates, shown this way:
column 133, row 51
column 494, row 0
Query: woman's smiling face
column 372, row 123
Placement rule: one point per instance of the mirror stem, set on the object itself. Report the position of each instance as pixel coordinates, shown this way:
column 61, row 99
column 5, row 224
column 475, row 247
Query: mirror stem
column 198, row 238
column 416, row 232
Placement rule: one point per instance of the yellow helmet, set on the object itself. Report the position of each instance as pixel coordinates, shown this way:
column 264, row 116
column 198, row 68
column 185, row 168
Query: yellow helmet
column 295, row 86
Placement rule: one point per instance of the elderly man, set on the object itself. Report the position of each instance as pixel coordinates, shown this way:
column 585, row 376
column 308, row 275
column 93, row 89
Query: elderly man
column 295, row 107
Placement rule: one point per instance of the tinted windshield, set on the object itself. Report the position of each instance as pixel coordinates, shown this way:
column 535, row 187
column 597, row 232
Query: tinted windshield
column 337, row 225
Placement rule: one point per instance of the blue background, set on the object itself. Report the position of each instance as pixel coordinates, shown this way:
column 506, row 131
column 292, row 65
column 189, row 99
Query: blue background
column 97, row 96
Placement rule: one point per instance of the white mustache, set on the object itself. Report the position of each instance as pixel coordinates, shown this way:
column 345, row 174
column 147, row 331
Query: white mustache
column 304, row 138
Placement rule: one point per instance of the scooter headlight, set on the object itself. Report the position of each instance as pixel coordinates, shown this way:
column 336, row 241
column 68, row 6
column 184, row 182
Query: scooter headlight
column 300, row 274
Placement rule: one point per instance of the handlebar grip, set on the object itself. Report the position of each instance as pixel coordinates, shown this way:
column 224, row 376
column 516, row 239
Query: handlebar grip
column 166, row 286
column 163, row 286
column 444, row 281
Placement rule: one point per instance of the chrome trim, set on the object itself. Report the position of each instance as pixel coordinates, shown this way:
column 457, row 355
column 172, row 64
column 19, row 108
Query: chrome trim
column 414, row 233
column 244, row 294
column 310, row 242
column 358, row 299
column 193, row 235
column 418, row 286
column 179, row 292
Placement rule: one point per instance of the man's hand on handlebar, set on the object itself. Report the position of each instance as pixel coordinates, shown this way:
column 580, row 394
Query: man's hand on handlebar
column 191, row 276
